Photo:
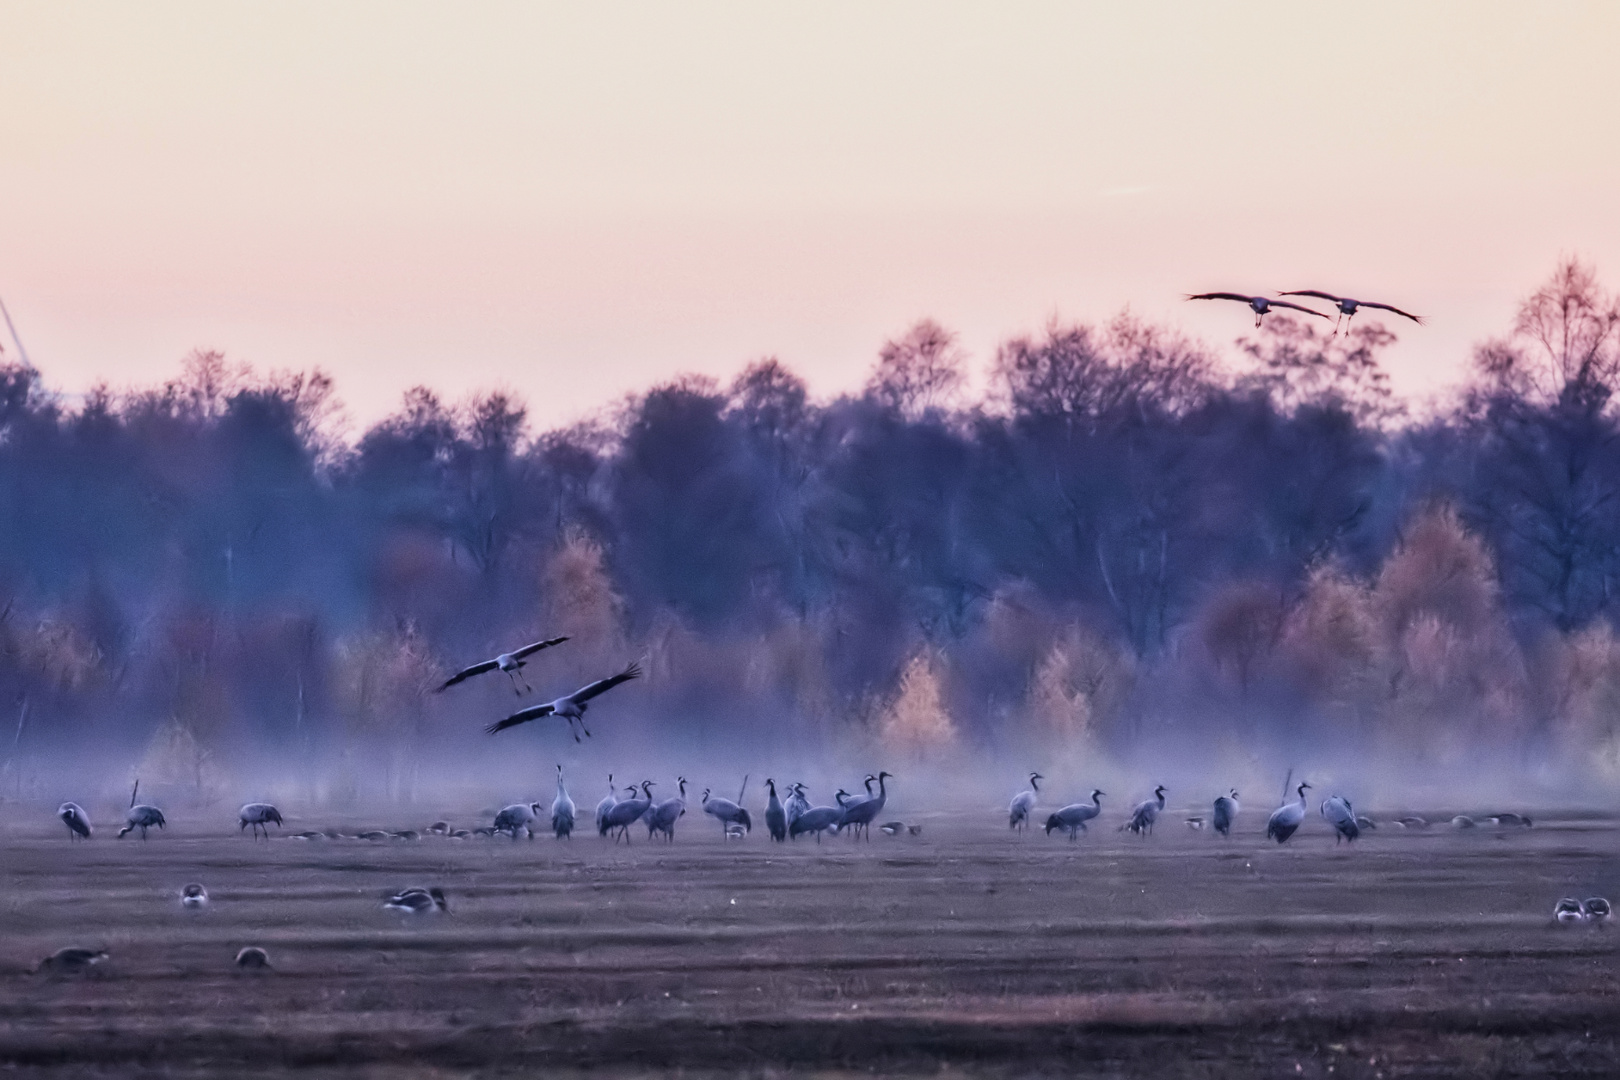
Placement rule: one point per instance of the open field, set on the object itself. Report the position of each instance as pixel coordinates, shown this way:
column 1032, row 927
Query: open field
column 963, row 949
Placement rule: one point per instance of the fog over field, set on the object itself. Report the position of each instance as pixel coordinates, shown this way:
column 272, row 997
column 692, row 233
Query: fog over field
column 1136, row 558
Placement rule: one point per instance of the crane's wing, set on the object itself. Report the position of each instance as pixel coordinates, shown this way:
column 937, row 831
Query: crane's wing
column 537, row 646
column 602, row 686
column 1318, row 293
column 1298, row 307
column 467, row 673
column 1222, row 296
column 522, row 716
column 1390, row 307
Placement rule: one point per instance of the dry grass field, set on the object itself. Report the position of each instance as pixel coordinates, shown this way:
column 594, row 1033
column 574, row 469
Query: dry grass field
column 964, row 951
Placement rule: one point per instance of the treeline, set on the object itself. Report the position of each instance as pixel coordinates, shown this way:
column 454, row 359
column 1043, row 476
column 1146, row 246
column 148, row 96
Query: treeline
column 1128, row 541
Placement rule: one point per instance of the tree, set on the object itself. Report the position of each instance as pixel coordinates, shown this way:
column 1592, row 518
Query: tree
column 919, row 371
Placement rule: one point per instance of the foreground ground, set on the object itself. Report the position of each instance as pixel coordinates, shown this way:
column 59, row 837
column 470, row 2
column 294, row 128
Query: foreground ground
column 963, row 950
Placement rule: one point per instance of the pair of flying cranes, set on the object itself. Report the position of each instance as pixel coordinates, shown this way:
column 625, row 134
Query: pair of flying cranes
column 1262, row 305
column 570, row 707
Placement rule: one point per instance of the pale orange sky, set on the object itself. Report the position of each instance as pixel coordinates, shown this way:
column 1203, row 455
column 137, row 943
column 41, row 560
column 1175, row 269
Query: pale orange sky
column 575, row 201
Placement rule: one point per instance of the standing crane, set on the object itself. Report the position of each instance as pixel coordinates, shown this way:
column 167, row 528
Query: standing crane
column 861, row 813
column 1226, row 812
column 1287, row 818
column 796, row 804
column 1342, row 816
column 259, row 815
column 662, row 818
column 1072, row 818
column 519, row 817
column 1146, row 813
column 77, row 821
column 1023, row 804
column 628, row 810
column 141, row 817
column 728, row 812
column 604, row 806
column 775, row 817
column 512, row 663
column 562, row 810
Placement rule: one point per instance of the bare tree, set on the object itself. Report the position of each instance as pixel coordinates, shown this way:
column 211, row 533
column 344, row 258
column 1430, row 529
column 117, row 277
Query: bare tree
column 919, row 371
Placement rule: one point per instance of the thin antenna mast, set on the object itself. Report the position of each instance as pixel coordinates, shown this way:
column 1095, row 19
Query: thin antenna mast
column 15, row 339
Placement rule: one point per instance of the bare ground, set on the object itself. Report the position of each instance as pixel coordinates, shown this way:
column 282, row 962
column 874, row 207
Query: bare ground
column 963, row 952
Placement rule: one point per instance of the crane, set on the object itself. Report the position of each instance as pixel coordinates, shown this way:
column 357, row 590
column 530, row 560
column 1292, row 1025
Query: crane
column 1072, row 818
column 562, row 810
column 1260, row 305
column 1348, row 307
column 571, row 707
column 1287, row 818
column 1023, row 804
column 512, row 663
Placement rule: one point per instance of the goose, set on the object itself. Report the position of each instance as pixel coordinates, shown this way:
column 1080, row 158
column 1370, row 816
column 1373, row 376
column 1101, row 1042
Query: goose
column 253, row 958
column 1569, row 910
column 1463, row 821
column 861, row 813
column 892, row 828
column 72, row 959
column 1226, row 812
column 512, row 663
column 439, row 828
column 1515, row 821
column 662, row 818
column 817, row 819
column 1287, row 818
column 1338, row 812
column 259, row 815
column 726, row 812
column 1348, row 307
column 1411, row 821
column 775, row 816
column 1365, row 823
column 1023, row 803
column 735, row 831
column 571, row 707
column 418, row 901
column 1598, row 910
column 373, row 835
column 1196, row 823
column 627, row 811
column 604, row 806
column 1260, row 305
column 140, row 817
column 796, row 803
column 562, row 810
column 77, row 821
column 1146, row 813
column 1072, row 818
column 518, row 816
column 193, row 896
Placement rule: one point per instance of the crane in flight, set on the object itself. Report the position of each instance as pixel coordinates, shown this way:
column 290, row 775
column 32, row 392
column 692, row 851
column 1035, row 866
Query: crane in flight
column 512, row 663
column 1348, row 307
column 1260, row 305
column 571, row 707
